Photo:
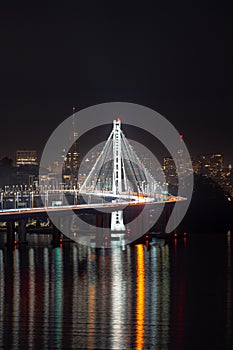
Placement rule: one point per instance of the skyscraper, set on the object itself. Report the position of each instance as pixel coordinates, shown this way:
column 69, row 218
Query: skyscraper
column 71, row 159
column 26, row 157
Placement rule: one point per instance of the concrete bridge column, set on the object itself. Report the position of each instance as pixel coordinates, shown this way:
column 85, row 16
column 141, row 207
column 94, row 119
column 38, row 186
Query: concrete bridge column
column 10, row 230
column 99, row 220
column 22, row 235
column 66, row 222
column 107, row 232
column 56, row 234
column 103, row 238
column 1, row 201
column 99, row 229
column 75, row 198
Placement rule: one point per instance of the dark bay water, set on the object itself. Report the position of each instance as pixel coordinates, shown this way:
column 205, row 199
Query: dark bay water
column 173, row 296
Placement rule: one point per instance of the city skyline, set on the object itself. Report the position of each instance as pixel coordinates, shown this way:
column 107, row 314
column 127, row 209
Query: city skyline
column 226, row 160
column 116, row 175
column 76, row 168
column 195, row 152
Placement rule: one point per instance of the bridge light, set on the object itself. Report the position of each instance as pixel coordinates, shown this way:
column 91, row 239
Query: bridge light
column 141, row 199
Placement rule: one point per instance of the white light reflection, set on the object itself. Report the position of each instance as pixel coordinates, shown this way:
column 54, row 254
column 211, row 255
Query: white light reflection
column 16, row 296
column 58, row 295
column 118, row 294
column 140, row 303
column 46, row 298
column 155, row 295
column 2, row 285
column 75, row 310
column 165, row 293
column 31, row 297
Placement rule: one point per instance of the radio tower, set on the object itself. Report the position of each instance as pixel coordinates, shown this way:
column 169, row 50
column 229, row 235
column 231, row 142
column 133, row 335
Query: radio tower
column 75, row 133
column 72, row 157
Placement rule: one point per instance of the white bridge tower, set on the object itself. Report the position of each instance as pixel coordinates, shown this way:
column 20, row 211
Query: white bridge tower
column 119, row 174
column 117, row 223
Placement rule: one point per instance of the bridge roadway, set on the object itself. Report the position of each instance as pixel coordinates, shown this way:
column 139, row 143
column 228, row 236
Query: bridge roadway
column 23, row 213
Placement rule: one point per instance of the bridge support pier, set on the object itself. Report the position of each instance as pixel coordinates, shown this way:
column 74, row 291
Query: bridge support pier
column 102, row 220
column 117, row 223
column 99, row 229
column 99, row 220
column 66, row 228
column 66, row 224
column 10, row 230
column 22, row 234
column 56, row 236
column 102, row 223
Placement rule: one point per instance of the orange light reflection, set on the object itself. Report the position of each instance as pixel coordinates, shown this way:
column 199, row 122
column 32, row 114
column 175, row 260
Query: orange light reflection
column 140, row 307
column 91, row 316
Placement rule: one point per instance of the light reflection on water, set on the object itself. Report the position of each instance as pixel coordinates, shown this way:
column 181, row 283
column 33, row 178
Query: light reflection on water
column 140, row 306
column 142, row 298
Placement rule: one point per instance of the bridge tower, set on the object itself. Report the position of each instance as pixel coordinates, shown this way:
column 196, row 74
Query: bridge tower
column 119, row 173
column 117, row 223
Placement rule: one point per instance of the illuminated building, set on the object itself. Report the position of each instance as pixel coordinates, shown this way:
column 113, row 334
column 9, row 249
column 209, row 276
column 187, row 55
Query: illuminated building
column 26, row 157
column 211, row 165
column 27, row 168
column 70, row 159
column 170, row 171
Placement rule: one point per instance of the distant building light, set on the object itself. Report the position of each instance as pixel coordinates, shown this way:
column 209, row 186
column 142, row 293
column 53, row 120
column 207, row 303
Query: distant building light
column 26, row 157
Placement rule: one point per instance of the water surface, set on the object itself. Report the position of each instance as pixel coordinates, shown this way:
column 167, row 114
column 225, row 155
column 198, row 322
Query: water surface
column 177, row 295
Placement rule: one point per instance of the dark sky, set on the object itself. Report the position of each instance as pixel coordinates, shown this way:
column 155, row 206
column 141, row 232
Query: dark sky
column 173, row 57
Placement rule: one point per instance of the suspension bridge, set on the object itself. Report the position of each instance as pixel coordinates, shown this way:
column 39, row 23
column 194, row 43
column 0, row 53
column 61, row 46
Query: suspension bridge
column 118, row 173
column 118, row 177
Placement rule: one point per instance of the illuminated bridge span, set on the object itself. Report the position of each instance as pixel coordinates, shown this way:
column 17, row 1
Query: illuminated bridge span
column 118, row 170
column 64, row 212
column 22, row 213
column 117, row 180
column 119, row 173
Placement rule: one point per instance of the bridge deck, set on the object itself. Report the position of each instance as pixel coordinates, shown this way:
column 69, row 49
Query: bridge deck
column 15, row 214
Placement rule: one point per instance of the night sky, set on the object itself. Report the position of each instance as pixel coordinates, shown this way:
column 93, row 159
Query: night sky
column 173, row 57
